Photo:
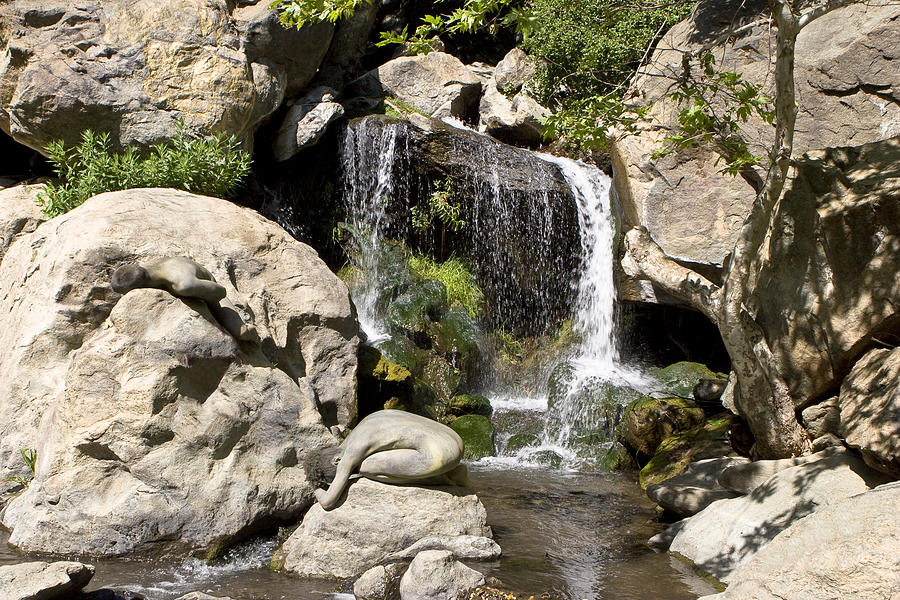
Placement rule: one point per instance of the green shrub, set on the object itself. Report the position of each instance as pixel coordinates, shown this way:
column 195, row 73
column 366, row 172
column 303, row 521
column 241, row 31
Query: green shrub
column 213, row 166
column 589, row 47
column 462, row 290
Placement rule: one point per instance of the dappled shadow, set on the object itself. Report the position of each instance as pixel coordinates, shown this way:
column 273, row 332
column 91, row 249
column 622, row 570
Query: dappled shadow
column 711, row 18
column 754, row 520
column 869, row 410
column 827, row 287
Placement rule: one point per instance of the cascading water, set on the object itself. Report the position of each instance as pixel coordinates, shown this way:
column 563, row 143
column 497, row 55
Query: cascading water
column 593, row 367
column 520, row 236
column 367, row 157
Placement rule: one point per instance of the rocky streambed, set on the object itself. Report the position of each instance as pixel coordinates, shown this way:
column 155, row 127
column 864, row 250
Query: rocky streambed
column 570, row 535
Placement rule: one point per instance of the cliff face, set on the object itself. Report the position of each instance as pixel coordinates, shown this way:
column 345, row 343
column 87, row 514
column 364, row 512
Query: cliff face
column 138, row 69
column 848, row 90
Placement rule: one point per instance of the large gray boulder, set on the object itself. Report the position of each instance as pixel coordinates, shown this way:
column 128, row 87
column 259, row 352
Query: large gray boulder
column 870, row 409
column 437, row 575
column 437, row 84
column 44, row 581
column 152, row 424
column 513, row 71
column 727, row 534
column 850, row 549
column 744, row 477
column 374, row 522
column 827, row 288
column 19, row 213
column 847, row 87
column 137, row 68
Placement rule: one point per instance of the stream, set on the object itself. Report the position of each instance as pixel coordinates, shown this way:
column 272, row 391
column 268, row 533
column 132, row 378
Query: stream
column 572, row 535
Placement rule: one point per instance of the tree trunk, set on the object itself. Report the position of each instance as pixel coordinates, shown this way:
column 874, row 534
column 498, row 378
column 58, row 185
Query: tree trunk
column 762, row 397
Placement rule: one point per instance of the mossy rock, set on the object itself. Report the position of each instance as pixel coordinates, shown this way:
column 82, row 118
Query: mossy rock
column 423, row 302
column 455, row 337
column 680, row 378
column 617, row 458
column 648, row 421
column 381, row 382
column 351, row 275
column 400, row 350
column 443, row 379
column 548, row 458
column 514, row 423
column 673, row 455
column 470, row 404
column 521, row 440
column 594, row 408
column 373, row 364
column 477, row 433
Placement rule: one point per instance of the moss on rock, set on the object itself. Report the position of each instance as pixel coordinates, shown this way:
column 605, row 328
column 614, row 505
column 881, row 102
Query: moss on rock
column 680, row 378
column 673, row 455
column 648, row 421
column 470, row 404
column 521, row 440
column 477, row 433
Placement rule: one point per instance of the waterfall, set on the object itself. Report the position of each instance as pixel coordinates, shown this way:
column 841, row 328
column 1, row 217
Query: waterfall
column 596, row 293
column 540, row 258
column 367, row 158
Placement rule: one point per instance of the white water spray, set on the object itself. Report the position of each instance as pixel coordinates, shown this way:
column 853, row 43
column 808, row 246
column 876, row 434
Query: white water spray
column 367, row 160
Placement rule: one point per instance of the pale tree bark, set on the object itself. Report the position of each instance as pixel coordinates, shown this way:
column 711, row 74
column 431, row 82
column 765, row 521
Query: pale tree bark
column 764, row 398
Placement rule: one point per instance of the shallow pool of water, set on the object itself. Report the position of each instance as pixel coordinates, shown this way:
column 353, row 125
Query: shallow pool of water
column 572, row 535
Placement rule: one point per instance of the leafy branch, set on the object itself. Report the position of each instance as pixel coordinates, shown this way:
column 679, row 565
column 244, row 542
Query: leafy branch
column 29, row 455
column 441, row 206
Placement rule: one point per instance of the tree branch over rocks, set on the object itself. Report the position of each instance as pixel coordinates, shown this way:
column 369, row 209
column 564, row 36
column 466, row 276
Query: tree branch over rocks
column 762, row 394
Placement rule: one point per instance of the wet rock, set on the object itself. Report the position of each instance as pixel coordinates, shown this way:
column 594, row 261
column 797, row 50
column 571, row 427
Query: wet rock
column 647, row 421
column 509, row 199
column 681, row 378
column 201, row 596
column 436, row 575
column 870, row 409
column 436, row 83
column 381, row 582
column 455, row 336
column 848, row 549
column 519, row 441
column 470, row 404
column 153, row 426
column 695, row 488
column 513, row 71
column 585, row 406
column 43, row 581
column 728, row 533
column 305, row 122
column 477, row 433
column 375, row 521
column 19, row 213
